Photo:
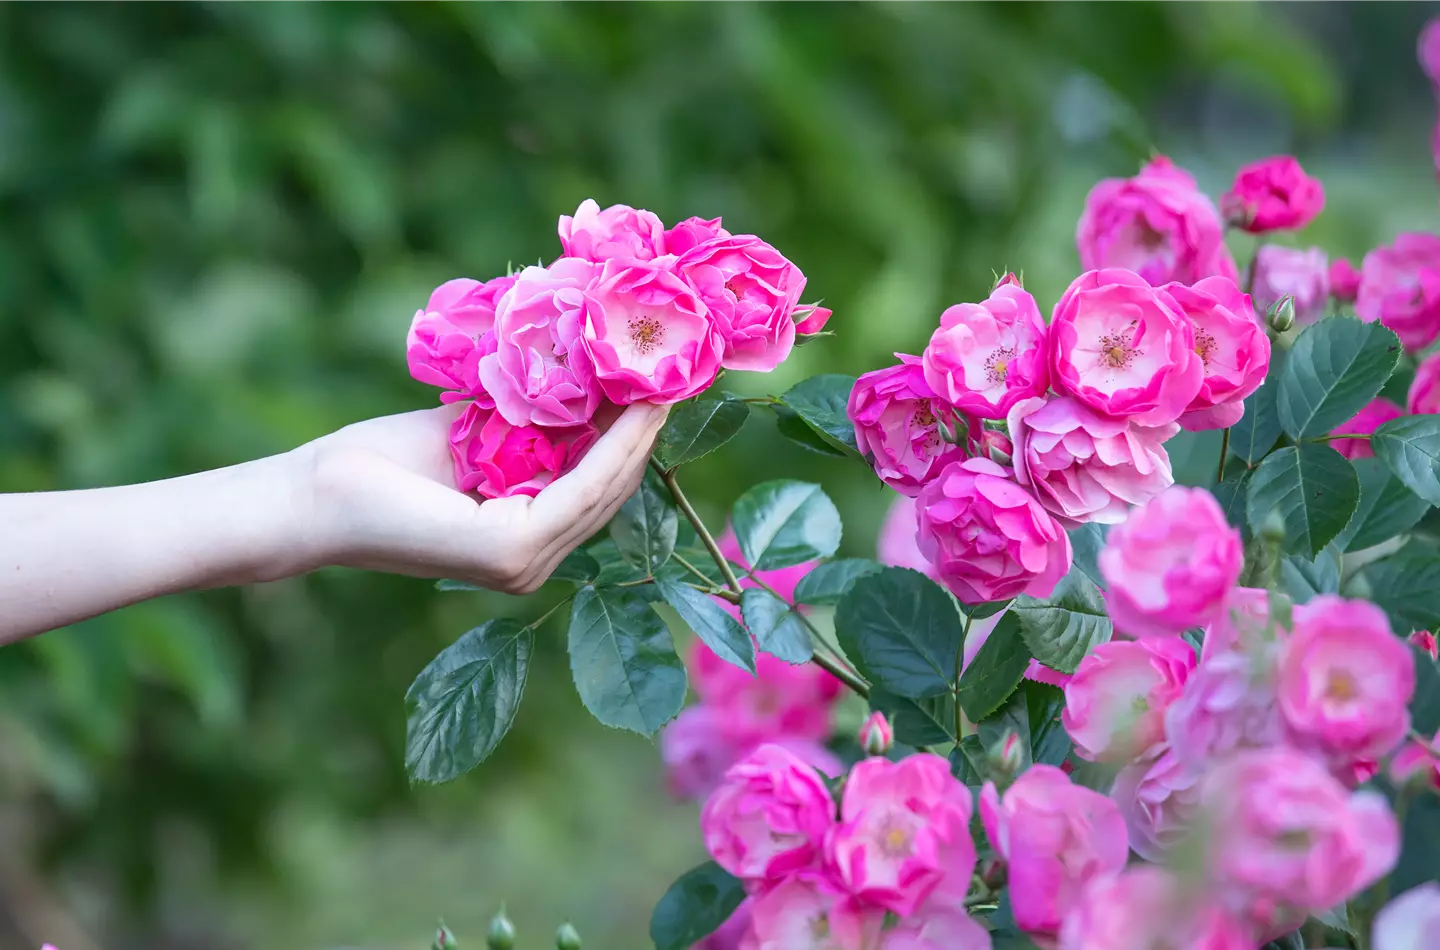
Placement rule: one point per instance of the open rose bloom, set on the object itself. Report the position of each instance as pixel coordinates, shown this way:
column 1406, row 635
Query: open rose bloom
column 1400, row 287
column 986, row 357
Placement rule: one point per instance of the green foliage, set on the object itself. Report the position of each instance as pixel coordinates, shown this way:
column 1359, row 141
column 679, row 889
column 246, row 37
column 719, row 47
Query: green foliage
column 1425, row 703
column 1258, row 430
column 1312, row 487
column 1410, row 445
column 1334, row 369
column 694, row 907
column 645, row 528
column 820, row 401
column 778, row 629
column 783, row 523
column 623, row 661
column 917, row 721
column 827, row 583
column 1404, row 584
column 1060, row 629
column 1387, row 508
column 995, row 671
column 720, row 631
column 1232, row 494
column 1303, row 579
column 698, row 427
column 902, row 631
column 578, row 567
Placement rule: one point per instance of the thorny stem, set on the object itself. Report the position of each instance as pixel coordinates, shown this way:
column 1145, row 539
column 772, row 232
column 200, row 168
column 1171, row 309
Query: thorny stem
column 1224, row 451
column 690, row 567
column 831, row 665
column 1342, row 435
column 534, row 624
column 706, row 538
column 760, row 400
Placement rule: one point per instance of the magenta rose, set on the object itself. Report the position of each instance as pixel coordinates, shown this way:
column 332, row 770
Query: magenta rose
column 1344, row 280
column 695, row 752
column 1157, row 224
column 1428, row 50
column 497, row 459
column 1232, row 345
column 1145, row 907
column 1400, row 287
column 985, row 357
column 895, row 416
column 690, row 233
column 876, row 736
column 779, row 700
column 1273, row 194
column 1425, row 641
column 810, row 911
column 1124, row 348
column 1301, row 273
column 1115, row 703
column 987, row 537
column 448, row 338
column 897, row 545
column 619, row 232
column 1425, row 390
column 1083, row 466
column 1376, row 413
column 732, row 934
column 811, row 318
column 647, row 335
column 750, row 290
column 1159, row 796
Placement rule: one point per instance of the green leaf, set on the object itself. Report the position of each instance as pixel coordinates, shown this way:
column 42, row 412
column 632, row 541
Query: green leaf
column 644, row 528
column 456, row 585
column 719, row 631
column 1304, row 579
column 968, row 762
column 579, row 567
column 995, row 671
column 917, row 722
column 623, row 661
column 614, row 569
column 1404, row 586
column 1062, row 628
column 986, row 609
column 1231, row 495
column 1258, row 430
column 1410, row 445
column 902, row 630
column 694, row 907
column 1314, row 489
column 1049, row 742
column 1419, row 845
column 789, row 424
column 1012, row 715
column 699, row 427
column 827, row 583
column 1425, row 701
column 821, row 401
column 1086, row 541
column 778, row 629
column 1334, row 369
column 1387, row 508
column 463, row 702
column 784, row 523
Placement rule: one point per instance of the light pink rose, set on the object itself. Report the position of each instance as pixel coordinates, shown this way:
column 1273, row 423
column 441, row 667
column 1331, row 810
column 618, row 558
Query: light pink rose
column 1171, row 565
column 1376, row 413
column 1428, row 50
column 731, row 934
column 648, row 335
column 1145, row 907
column 448, row 338
column 811, row 912
column 1157, row 224
column 1286, row 838
column 987, row 537
column 894, row 412
column 1273, row 194
column 903, row 834
column 937, row 926
column 1302, row 273
column 1425, row 640
column 1124, row 348
column 696, row 752
column 779, row 700
column 1345, row 681
column 1083, row 466
column 1231, row 344
column 1418, row 761
column 1056, row 838
column 537, row 374
column 1115, row 703
column 691, row 232
column 619, row 231
column 769, row 817
column 1425, row 389
column 1344, row 280
column 497, row 459
column 898, row 546
column 750, row 290
column 985, row 357
column 1159, row 795
column 876, row 736
column 1400, row 287
column 1412, row 920
column 811, row 318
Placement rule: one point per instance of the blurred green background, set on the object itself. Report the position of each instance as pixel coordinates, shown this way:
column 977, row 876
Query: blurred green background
column 215, row 223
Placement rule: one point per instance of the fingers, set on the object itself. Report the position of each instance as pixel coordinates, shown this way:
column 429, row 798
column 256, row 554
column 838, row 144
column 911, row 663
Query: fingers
column 557, row 550
column 603, row 474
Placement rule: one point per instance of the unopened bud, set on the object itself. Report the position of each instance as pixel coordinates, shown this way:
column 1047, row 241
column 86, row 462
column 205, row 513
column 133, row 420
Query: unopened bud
column 1425, row 640
column 876, row 736
column 502, row 932
column 1006, row 756
column 1272, row 530
column 444, row 939
column 1009, row 278
column 567, row 937
column 1281, row 315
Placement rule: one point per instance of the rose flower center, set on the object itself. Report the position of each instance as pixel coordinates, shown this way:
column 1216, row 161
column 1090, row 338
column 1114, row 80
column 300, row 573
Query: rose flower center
column 1115, row 349
column 998, row 363
column 646, row 333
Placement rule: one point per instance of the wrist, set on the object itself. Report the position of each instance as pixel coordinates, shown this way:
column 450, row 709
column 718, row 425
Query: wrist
column 277, row 519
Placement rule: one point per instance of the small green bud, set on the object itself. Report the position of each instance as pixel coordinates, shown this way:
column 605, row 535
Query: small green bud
column 502, row 932
column 1281, row 315
column 1272, row 531
column 444, row 939
column 1006, row 756
column 567, row 937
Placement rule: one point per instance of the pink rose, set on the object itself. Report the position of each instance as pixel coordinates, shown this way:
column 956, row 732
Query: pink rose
column 1345, row 681
column 1171, row 565
column 448, row 338
column 1375, row 414
column 1419, row 761
column 768, row 818
column 619, row 232
column 1145, row 907
column 1425, row 390
column 690, row 233
column 648, row 335
column 1115, row 703
column 1083, row 466
column 1273, row 194
column 731, row 934
column 1056, row 839
column 985, row 357
column 1344, row 280
column 894, row 412
column 937, row 926
column 1286, row 838
column 1232, row 346
column 533, row 375
column 1425, row 640
column 811, row 318
column 904, row 833
column 1400, row 287
column 1303, row 274
column 1428, row 51
column 1157, row 224
column 1159, row 795
column 1412, row 920
column 875, row 736
column 1124, row 348
column 779, row 700
column 988, row 539
column 898, row 546
column 750, row 290
column 695, row 752
column 497, row 459
column 810, row 912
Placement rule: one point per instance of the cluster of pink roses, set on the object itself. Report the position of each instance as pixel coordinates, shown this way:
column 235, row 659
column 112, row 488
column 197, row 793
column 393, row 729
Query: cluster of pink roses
column 629, row 312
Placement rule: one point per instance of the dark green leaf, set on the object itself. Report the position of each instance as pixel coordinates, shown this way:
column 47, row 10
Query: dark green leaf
column 821, row 402
column 777, row 628
column 902, row 630
column 1049, row 742
column 784, row 523
column 1231, row 495
column 462, row 703
column 828, row 582
column 579, row 567
column 1336, row 918
column 1387, row 508
column 1410, row 445
column 995, row 670
column 456, row 585
column 694, row 907
column 1257, row 431
column 1060, row 629
column 968, row 762
column 623, row 661
column 1404, row 585
column 1086, row 541
column 644, row 529
column 985, row 610
column 699, row 427
column 614, row 569
column 1334, row 369
column 789, row 424
column 1314, row 489
column 1304, row 579
column 917, row 721
column 719, row 631
column 1425, row 701
column 1419, row 845
column 1012, row 716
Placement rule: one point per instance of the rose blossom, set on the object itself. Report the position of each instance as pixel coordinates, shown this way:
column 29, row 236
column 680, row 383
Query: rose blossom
column 1232, row 346
column 731, row 934
column 875, row 736
column 531, row 375
column 1344, row 280
column 1273, row 194
column 1124, row 348
column 1303, row 274
column 497, row 459
column 938, row 926
column 695, row 752
column 903, row 833
column 1055, row 838
column 811, row 318
column 691, row 232
column 619, row 231
column 897, row 545
column 1115, row 703
column 809, row 911
column 647, row 335
column 1157, row 224
column 985, row 357
column 1145, row 907
column 796, row 702
column 986, row 536
column 1345, row 681
column 1417, row 760
column 1400, row 287
column 769, row 817
column 1412, row 920
column 1425, row 390
column 1428, row 50
column 1424, row 640
column 750, row 290
column 1083, row 466
column 448, row 338
column 894, row 412
column 1159, row 796
column 1171, row 565
column 1376, row 413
